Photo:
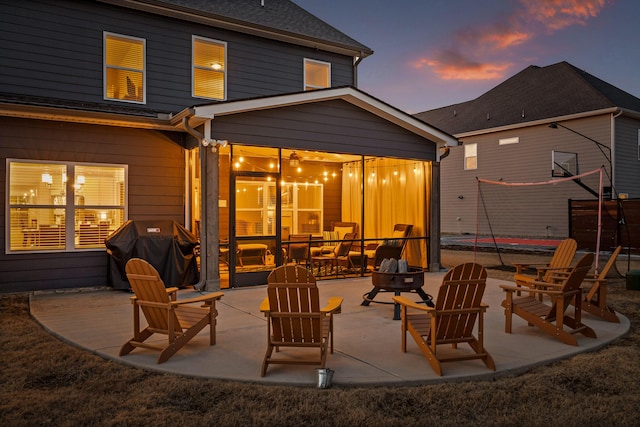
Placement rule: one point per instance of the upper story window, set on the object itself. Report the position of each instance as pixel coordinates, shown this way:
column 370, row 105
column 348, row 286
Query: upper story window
column 209, row 68
column 470, row 156
column 63, row 206
column 124, row 68
column 317, row 74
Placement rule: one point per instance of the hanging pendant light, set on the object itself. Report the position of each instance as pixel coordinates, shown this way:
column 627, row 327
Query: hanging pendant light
column 294, row 160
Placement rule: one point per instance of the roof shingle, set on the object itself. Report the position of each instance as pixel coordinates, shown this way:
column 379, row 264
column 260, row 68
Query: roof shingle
column 536, row 93
column 281, row 15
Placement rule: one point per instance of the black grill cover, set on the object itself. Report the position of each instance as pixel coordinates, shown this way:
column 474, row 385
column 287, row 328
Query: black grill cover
column 166, row 245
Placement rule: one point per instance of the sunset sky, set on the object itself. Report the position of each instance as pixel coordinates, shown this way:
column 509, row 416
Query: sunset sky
column 434, row 53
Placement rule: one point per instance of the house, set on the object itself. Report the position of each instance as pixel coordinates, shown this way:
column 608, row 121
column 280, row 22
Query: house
column 239, row 120
column 543, row 124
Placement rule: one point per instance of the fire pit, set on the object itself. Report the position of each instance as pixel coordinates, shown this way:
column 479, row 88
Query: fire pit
column 411, row 281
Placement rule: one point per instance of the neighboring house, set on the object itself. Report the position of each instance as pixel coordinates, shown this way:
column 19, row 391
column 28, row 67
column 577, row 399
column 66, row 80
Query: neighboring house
column 542, row 124
column 197, row 112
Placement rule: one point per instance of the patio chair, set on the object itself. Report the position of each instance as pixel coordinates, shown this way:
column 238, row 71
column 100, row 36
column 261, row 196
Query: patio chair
column 560, row 261
column 290, row 274
column 553, row 319
column 332, row 238
column 339, row 259
column 595, row 300
column 595, row 291
column 298, row 248
column 390, row 248
column 164, row 314
column 452, row 320
column 293, row 274
column 296, row 321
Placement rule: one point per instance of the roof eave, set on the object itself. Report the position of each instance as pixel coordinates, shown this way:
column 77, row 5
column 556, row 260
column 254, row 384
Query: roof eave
column 23, row 111
column 538, row 122
column 242, row 27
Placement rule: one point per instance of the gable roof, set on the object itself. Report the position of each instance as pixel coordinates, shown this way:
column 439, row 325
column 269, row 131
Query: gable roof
column 536, row 93
column 275, row 19
column 201, row 113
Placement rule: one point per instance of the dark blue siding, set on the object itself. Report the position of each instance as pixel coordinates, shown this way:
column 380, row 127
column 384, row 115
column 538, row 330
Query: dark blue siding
column 53, row 49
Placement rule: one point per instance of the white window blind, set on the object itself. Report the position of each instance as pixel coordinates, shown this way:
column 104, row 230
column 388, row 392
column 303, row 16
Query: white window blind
column 470, row 156
column 124, row 62
column 63, row 206
column 317, row 74
column 209, row 68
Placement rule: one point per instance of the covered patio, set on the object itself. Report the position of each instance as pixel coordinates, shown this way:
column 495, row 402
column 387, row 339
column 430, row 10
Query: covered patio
column 264, row 169
column 367, row 340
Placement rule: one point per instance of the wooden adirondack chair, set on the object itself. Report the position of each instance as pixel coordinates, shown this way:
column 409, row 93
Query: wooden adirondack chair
column 595, row 296
column 595, row 300
column 164, row 314
column 290, row 274
column 561, row 261
column 293, row 274
column 295, row 320
column 552, row 319
column 452, row 320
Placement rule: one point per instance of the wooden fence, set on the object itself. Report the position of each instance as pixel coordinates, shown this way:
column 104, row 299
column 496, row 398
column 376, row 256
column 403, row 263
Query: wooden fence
column 620, row 224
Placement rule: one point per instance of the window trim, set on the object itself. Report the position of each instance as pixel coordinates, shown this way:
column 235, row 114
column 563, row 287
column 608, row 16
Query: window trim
column 69, row 207
column 194, row 67
column 105, row 67
column 466, row 156
column 304, row 74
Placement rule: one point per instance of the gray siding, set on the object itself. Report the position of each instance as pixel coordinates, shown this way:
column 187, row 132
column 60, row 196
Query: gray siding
column 627, row 165
column 334, row 126
column 53, row 49
column 540, row 211
column 156, row 191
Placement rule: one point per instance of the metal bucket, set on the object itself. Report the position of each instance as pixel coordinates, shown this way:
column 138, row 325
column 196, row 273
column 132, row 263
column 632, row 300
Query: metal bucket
column 325, row 376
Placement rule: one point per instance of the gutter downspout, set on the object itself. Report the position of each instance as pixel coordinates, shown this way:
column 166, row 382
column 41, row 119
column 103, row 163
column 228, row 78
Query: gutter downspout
column 355, row 68
column 203, row 218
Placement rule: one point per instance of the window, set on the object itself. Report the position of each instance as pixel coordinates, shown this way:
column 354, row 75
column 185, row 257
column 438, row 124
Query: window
column 638, row 144
column 317, row 74
column 63, row 206
column 302, row 210
column 256, row 205
column 507, row 141
column 124, row 68
column 470, row 156
column 209, row 68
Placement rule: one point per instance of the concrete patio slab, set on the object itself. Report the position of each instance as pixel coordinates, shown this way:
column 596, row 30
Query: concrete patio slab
column 367, row 339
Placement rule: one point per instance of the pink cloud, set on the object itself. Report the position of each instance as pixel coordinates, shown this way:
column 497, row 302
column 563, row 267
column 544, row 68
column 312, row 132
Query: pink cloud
column 558, row 14
column 473, row 51
column 496, row 37
column 453, row 66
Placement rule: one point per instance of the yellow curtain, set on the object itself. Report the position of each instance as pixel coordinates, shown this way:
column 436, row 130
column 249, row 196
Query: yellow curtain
column 395, row 192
